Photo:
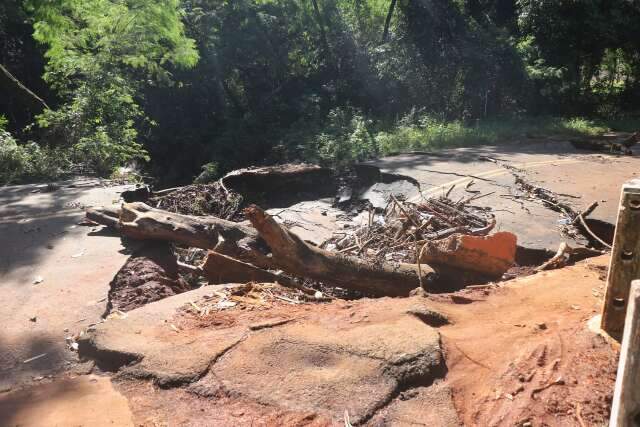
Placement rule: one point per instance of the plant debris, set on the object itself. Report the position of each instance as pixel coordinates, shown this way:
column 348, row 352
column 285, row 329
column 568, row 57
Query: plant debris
column 250, row 296
column 200, row 200
column 402, row 228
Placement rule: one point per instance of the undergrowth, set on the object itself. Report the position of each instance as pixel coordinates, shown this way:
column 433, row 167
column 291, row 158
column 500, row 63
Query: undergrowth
column 349, row 137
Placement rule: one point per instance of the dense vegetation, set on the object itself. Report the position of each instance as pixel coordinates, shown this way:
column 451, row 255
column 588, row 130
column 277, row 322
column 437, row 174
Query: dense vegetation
column 187, row 86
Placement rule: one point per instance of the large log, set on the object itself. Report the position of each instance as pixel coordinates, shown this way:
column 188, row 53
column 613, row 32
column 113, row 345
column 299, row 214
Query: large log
column 218, row 268
column 140, row 221
column 296, row 257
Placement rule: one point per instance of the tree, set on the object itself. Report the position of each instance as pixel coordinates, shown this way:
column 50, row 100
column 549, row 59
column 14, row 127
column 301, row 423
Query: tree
column 100, row 53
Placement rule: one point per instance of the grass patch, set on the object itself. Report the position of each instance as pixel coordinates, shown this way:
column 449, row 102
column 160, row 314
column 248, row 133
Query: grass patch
column 348, row 136
column 429, row 134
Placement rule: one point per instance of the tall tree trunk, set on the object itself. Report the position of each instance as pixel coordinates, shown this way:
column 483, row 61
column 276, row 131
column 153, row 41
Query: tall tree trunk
column 323, row 33
column 387, row 22
column 25, row 95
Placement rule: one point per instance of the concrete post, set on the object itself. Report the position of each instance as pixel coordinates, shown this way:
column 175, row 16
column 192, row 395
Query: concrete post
column 626, row 396
column 625, row 259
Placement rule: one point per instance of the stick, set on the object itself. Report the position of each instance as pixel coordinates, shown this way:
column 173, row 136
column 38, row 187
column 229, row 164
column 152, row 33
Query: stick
column 588, row 230
column 585, row 213
column 404, row 211
column 449, row 191
column 558, row 260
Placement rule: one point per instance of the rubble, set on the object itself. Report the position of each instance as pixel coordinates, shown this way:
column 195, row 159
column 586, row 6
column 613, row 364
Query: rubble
column 394, row 249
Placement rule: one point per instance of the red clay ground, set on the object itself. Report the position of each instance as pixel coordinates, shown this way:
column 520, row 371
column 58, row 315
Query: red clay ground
column 518, row 354
column 524, row 355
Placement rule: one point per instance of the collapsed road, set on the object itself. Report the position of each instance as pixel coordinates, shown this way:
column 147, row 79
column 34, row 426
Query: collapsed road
column 217, row 355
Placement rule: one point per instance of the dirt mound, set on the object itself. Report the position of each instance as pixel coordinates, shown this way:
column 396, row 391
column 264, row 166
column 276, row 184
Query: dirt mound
column 282, row 185
column 150, row 274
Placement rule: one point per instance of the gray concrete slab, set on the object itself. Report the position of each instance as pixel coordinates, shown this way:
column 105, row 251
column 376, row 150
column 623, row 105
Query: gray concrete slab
column 553, row 164
column 40, row 239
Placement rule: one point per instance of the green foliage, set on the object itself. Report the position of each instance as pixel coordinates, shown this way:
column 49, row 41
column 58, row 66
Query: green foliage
column 232, row 83
column 28, row 162
column 116, row 34
column 100, row 54
column 345, row 139
column 419, row 132
column 98, row 124
column 210, row 172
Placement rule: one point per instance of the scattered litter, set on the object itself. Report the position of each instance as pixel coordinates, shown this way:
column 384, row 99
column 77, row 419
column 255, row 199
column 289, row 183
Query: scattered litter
column 347, row 420
column 117, row 314
column 225, row 304
column 251, row 296
column 37, row 280
column 79, row 254
column 31, row 359
column 33, row 319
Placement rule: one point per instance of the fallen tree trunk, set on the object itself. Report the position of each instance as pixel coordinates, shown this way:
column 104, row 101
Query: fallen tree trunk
column 140, row 221
column 105, row 216
column 296, row 257
column 247, row 250
column 218, row 268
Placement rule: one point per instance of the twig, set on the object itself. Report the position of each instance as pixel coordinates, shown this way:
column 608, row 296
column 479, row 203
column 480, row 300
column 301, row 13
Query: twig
column 579, row 415
column 347, row 249
column 558, row 260
column 404, row 211
column 585, row 213
column 449, row 191
column 558, row 381
column 588, row 230
column 476, row 197
column 469, row 357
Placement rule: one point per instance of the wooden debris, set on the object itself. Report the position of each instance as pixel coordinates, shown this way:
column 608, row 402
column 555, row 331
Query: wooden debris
column 141, row 221
column 402, row 229
column 296, row 257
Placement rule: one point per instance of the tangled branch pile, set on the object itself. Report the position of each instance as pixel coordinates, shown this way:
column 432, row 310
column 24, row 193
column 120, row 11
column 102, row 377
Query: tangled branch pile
column 200, row 200
column 398, row 233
